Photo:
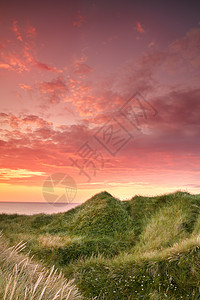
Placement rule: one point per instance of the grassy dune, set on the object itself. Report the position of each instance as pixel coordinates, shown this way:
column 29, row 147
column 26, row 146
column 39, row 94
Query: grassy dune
column 144, row 248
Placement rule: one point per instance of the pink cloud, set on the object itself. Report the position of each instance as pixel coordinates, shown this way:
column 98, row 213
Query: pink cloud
column 171, row 138
column 81, row 68
column 80, row 20
column 23, row 121
column 43, row 66
column 36, row 121
column 182, row 55
column 188, row 47
column 151, row 44
column 139, row 28
column 110, row 39
column 16, row 30
column 2, row 45
column 41, row 148
column 55, row 89
column 30, row 31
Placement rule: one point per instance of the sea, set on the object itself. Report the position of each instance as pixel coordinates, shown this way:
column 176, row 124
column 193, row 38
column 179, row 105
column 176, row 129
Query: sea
column 32, row 208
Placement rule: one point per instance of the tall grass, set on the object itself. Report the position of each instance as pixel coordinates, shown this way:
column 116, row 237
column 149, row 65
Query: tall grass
column 21, row 278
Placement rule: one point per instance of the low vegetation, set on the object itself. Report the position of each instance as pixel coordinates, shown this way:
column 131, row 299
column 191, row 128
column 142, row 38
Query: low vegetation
column 144, row 248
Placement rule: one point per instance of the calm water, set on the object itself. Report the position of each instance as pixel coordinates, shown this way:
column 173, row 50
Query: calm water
column 34, row 208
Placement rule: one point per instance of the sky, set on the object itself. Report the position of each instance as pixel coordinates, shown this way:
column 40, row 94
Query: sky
column 103, row 94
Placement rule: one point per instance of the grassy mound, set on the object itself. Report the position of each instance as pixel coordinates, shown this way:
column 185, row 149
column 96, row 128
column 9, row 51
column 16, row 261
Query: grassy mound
column 169, row 224
column 142, row 209
column 101, row 215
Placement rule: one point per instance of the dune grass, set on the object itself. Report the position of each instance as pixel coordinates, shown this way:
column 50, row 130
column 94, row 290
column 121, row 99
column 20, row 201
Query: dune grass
column 143, row 248
column 21, row 278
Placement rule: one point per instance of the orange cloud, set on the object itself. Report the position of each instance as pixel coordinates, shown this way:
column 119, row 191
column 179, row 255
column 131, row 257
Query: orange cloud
column 21, row 59
column 32, row 143
column 7, row 174
column 25, row 87
column 5, row 66
column 13, row 61
column 25, row 57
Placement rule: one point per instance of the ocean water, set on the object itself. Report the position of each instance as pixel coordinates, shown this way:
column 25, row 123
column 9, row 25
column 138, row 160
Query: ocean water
column 31, row 208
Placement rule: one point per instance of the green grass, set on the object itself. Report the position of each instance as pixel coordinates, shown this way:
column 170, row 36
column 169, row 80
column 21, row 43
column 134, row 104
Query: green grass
column 144, row 248
column 101, row 215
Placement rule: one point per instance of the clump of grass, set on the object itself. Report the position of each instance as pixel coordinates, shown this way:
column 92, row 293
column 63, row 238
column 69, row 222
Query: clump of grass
column 21, row 278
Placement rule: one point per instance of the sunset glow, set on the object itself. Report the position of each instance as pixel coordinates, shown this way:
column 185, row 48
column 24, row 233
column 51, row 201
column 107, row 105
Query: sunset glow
column 106, row 92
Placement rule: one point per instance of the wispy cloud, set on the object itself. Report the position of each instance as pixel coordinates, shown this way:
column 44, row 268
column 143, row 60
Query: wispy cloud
column 79, row 20
column 7, row 174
